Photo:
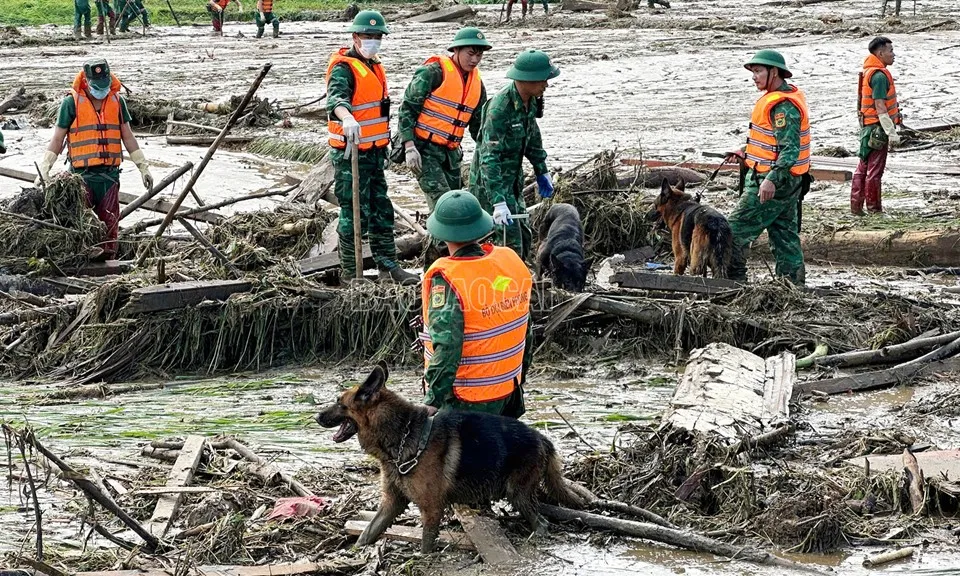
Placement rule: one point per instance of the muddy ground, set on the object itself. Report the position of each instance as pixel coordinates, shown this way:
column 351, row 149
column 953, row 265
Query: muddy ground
column 668, row 82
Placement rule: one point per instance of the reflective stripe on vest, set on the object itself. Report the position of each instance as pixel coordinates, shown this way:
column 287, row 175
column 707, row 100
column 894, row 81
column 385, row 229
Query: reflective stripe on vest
column 367, row 102
column 494, row 293
column 762, row 150
column 447, row 110
column 868, row 110
column 94, row 138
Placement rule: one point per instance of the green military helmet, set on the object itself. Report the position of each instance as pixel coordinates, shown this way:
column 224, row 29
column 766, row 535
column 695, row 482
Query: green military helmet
column 770, row 58
column 532, row 66
column 458, row 217
column 369, row 22
column 470, row 36
column 97, row 72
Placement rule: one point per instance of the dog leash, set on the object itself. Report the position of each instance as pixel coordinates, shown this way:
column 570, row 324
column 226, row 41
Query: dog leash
column 703, row 188
column 404, row 468
column 524, row 216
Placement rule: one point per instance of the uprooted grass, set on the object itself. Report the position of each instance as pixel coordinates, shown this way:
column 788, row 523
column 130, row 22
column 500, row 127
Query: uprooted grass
column 306, row 152
column 254, row 240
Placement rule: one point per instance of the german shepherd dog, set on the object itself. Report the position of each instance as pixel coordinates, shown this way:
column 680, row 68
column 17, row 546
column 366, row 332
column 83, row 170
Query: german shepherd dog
column 453, row 457
column 700, row 235
column 561, row 252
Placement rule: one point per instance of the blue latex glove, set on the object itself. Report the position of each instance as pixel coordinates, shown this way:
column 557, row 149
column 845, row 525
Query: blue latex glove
column 501, row 214
column 545, row 186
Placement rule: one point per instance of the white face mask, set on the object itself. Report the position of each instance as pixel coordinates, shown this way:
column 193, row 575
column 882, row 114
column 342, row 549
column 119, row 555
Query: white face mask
column 369, row 48
column 98, row 94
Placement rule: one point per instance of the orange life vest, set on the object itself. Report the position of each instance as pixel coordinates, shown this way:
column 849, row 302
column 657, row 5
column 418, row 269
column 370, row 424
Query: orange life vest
column 222, row 3
column 448, row 109
column 868, row 111
column 494, row 292
column 94, row 137
column 267, row 5
column 368, row 102
column 761, row 152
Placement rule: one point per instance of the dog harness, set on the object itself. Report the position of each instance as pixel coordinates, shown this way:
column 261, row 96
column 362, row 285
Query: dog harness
column 762, row 151
column 404, row 468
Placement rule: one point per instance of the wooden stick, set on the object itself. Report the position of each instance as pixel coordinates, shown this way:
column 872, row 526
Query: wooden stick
column 213, row 129
column 159, row 187
column 265, row 470
column 679, row 538
column 635, row 511
column 886, row 354
column 88, row 487
column 33, row 491
column 234, row 271
column 206, row 158
column 144, row 224
column 357, row 236
column 408, row 219
column 884, row 557
column 39, row 222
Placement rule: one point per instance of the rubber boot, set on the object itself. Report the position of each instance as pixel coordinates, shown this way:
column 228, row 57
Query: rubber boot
column 87, row 31
column 276, row 27
column 523, row 13
column 509, row 9
column 259, row 30
column 100, row 24
column 76, row 33
column 113, row 23
column 399, row 276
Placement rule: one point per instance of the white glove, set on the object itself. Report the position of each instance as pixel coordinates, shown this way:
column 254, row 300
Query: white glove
column 263, row 18
column 351, row 132
column 141, row 161
column 501, row 214
column 218, row 8
column 889, row 128
column 48, row 159
column 414, row 161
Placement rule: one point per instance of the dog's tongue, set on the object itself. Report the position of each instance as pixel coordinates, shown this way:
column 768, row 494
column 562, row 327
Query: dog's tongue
column 344, row 431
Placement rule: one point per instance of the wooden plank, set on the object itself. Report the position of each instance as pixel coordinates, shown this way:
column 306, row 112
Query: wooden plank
column 334, row 566
column 176, row 295
column 411, row 534
column 180, row 475
column 331, row 260
column 486, row 535
column 671, row 283
column 781, row 375
column 941, row 125
column 163, row 207
column 935, row 464
column 203, row 140
column 152, row 572
column 876, row 379
column 825, row 174
column 105, row 268
column 444, row 14
column 177, row 490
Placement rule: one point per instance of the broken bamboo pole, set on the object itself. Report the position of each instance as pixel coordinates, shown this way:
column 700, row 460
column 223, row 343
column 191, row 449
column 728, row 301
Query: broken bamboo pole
column 265, row 470
column 679, row 538
column 213, row 129
column 206, row 159
column 160, row 186
column 888, row 556
column 143, row 225
column 233, row 270
column 892, row 353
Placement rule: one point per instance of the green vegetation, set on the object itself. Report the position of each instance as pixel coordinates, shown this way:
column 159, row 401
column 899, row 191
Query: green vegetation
column 37, row 12
column 618, row 417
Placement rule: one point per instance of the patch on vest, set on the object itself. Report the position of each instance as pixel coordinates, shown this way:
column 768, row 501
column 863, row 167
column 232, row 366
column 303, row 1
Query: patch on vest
column 501, row 283
column 438, row 296
column 780, row 119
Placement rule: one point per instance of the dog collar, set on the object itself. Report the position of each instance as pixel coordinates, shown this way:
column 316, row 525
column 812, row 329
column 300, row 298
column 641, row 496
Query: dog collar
column 405, row 468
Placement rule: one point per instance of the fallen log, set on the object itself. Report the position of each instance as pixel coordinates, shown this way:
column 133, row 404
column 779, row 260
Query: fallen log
column 882, row 248
column 266, row 471
column 89, row 391
column 928, row 363
column 203, row 127
column 889, row 556
column 581, row 6
column 892, row 353
column 680, row 538
column 200, row 140
column 447, row 14
column 635, row 511
column 159, row 187
column 827, row 174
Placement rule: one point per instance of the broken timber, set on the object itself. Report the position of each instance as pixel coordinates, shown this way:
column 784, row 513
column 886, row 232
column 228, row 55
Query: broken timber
column 411, row 534
column 937, row 247
column 330, row 261
column 729, row 393
column 336, row 566
column 180, row 476
column 831, row 174
column 485, row 533
column 176, row 295
column 444, row 15
column 671, row 283
column 878, row 378
column 934, row 126
column 935, row 463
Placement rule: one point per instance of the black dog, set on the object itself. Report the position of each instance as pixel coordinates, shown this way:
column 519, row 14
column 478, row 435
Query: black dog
column 561, row 251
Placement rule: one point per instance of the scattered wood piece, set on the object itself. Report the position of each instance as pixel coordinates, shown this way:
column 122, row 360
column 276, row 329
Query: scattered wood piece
column 932, row 26
column 330, row 261
column 889, row 556
column 934, row 463
column 680, row 538
column 635, row 511
column 881, row 247
column 671, row 283
column 181, row 475
column 336, row 566
column 826, row 174
column 164, row 490
column 411, row 534
column 220, row 257
column 892, row 353
column 174, row 295
column 934, row 125
column 144, row 224
column 100, row 269
column 205, row 127
column 581, row 6
column 485, row 533
column 265, row 470
column 201, row 140
column 164, row 207
column 157, row 188
column 447, row 14
column 928, row 363
column 18, row 316
column 913, row 480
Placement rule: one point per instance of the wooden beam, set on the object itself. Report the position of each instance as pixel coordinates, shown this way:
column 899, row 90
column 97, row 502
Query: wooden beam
column 485, row 533
column 176, row 295
column 411, row 534
column 933, row 126
column 877, row 378
column 827, row 174
column 581, row 6
column 203, row 140
column 180, row 475
column 671, row 283
column 105, row 268
column 163, row 490
column 331, row 260
column 447, row 14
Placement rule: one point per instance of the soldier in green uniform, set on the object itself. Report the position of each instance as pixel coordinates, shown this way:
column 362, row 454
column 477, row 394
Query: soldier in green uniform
column 777, row 161
column 461, row 222
column 366, row 126
column 106, row 17
column 81, row 13
column 508, row 133
column 130, row 10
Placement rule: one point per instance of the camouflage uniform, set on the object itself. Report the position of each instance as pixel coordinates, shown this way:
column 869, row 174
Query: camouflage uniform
column 778, row 216
column 130, row 10
column 441, row 165
column 508, row 133
column 446, row 333
column 376, row 210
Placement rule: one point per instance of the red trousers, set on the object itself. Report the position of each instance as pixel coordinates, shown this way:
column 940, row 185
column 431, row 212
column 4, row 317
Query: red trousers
column 108, row 211
column 866, row 182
